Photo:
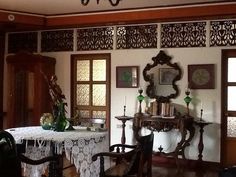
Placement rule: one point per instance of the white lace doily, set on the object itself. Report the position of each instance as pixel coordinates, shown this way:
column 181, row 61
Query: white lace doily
column 79, row 146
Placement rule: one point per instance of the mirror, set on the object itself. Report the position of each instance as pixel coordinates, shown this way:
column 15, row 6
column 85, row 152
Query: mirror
column 162, row 76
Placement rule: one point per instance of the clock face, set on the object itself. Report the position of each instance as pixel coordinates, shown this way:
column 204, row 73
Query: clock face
column 200, row 76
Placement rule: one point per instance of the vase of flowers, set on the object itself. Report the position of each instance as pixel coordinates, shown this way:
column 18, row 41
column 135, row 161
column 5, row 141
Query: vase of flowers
column 60, row 118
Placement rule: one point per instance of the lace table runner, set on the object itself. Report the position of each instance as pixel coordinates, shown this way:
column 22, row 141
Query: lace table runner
column 79, row 146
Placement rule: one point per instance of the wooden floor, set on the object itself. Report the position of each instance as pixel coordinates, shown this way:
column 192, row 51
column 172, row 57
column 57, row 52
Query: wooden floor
column 163, row 171
column 166, row 172
column 173, row 172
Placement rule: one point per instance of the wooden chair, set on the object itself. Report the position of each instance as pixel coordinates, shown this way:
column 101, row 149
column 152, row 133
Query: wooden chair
column 137, row 162
column 10, row 159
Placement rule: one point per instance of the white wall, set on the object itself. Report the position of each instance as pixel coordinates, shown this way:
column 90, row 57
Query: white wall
column 184, row 56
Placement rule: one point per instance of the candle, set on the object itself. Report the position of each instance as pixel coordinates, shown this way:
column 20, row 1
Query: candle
column 125, row 101
column 201, row 104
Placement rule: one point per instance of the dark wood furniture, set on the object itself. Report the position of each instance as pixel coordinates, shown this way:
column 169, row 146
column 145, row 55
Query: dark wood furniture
column 162, row 75
column 136, row 162
column 123, row 119
column 10, row 158
column 28, row 95
column 152, row 74
column 183, row 123
column 201, row 124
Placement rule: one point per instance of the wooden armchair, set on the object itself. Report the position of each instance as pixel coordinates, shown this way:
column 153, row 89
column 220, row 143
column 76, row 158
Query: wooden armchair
column 10, row 159
column 136, row 162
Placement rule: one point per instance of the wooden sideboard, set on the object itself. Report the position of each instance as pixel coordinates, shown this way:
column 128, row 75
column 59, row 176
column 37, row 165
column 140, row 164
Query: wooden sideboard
column 28, row 95
column 158, row 123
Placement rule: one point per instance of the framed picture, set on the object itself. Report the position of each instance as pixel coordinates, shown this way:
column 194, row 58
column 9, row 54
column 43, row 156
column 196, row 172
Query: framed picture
column 167, row 75
column 201, row 76
column 127, row 76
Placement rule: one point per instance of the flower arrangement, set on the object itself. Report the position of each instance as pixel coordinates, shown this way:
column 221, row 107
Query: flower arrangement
column 59, row 121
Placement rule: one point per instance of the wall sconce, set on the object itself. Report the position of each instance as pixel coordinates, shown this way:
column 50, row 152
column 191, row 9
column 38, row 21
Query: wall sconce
column 112, row 2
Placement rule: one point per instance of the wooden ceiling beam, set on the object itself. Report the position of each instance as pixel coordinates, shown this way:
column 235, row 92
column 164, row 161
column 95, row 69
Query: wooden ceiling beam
column 22, row 18
column 125, row 17
column 158, row 15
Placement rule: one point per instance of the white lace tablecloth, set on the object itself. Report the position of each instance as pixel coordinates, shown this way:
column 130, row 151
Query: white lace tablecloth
column 79, row 146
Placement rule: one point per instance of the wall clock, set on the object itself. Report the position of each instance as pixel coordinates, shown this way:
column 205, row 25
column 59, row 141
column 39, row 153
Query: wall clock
column 201, row 76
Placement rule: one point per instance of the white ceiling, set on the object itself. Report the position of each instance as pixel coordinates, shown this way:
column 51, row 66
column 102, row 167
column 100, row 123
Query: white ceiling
column 56, row 7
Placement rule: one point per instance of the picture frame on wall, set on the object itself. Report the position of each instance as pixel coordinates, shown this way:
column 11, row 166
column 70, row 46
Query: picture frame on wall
column 167, row 75
column 127, row 76
column 201, row 76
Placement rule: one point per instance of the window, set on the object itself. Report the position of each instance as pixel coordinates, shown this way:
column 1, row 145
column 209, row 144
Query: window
column 90, row 96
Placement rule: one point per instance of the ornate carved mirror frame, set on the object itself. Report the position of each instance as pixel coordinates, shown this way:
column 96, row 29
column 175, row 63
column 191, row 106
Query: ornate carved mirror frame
column 161, row 59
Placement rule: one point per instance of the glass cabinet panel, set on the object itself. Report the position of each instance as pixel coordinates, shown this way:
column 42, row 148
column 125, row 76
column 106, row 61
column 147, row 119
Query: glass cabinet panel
column 82, row 92
column 99, row 94
column 99, row 70
column 83, row 70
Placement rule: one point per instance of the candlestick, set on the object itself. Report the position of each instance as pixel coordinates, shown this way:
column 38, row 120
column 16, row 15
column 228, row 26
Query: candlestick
column 140, row 99
column 124, row 110
column 125, row 101
column 201, row 115
column 187, row 99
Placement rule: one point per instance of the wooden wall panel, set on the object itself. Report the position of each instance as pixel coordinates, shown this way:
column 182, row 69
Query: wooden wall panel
column 158, row 15
column 22, row 19
column 125, row 17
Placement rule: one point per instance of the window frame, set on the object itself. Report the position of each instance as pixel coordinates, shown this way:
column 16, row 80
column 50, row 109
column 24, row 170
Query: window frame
column 74, row 58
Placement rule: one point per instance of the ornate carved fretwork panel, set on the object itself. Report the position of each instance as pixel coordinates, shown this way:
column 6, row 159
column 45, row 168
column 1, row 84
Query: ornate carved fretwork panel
column 223, row 33
column 183, row 35
column 142, row 36
column 61, row 40
column 22, row 41
column 95, row 39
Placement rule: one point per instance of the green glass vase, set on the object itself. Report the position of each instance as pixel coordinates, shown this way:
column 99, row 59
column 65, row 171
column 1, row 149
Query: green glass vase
column 61, row 121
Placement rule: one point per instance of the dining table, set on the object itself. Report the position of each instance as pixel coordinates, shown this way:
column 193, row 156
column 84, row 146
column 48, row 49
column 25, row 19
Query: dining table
column 78, row 145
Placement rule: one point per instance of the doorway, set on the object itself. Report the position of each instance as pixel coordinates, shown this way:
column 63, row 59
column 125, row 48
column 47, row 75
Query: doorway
column 228, row 105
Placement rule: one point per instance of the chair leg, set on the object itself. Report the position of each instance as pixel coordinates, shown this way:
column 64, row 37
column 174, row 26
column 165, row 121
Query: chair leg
column 55, row 167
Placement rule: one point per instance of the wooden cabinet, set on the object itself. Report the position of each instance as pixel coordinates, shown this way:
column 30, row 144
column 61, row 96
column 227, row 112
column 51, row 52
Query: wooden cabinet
column 28, row 95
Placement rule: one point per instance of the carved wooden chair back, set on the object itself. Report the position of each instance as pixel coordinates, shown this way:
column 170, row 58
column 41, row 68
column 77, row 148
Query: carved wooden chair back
column 136, row 162
column 10, row 165
column 144, row 165
column 10, row 159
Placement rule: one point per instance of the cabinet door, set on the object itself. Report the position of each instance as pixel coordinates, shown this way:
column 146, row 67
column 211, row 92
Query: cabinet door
column 24, row 97
column 28, row 91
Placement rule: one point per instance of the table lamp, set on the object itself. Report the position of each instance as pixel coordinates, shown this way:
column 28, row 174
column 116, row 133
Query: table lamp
column 187, row 99
column 140, row 99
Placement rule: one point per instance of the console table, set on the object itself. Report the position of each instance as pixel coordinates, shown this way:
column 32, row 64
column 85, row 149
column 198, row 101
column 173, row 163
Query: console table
column 183, row 123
